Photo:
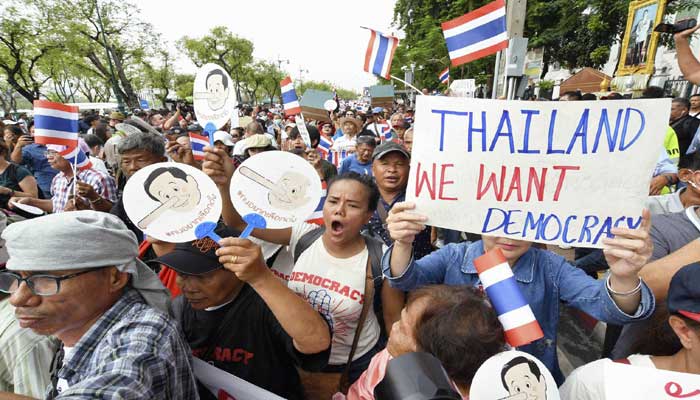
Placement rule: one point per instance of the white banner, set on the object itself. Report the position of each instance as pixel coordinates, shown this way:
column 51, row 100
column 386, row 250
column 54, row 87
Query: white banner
column 629, row 382
column 226, row 386
column 548, row 172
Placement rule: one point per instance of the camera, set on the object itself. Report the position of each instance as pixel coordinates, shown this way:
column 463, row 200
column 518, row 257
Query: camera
column 679, row 26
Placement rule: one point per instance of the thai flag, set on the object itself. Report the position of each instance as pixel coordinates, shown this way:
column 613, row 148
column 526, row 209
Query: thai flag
column 317, row 216
column 519, row 323
column 380, row 53
column 336, row 157
column 55, row 123
column 386, row 133
column 445, row 76
column 324, row 146
column 75, row 156
column 289, row 97
column 198, row 142
column 477, row 34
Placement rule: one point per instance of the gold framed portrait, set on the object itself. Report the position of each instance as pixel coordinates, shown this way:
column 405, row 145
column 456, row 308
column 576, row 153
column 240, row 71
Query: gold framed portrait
column 640, row 41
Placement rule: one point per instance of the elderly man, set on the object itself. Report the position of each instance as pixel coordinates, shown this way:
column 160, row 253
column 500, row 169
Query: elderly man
column 137, row 151
column 251, row 129
column 96, row 190
column 107, row 309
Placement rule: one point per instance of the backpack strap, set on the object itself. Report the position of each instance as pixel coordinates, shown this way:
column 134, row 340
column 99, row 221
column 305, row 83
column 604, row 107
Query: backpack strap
column 306, row 240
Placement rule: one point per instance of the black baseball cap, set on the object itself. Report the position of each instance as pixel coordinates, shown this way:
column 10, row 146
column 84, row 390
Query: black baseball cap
column 197, row 257
column 195, row 128
column 176, row 130
column 389, row 147
column 684, row 292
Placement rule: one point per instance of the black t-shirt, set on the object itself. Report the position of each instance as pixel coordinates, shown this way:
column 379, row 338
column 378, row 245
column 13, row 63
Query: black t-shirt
column 118, row 210
column 685, row 128
column 253, row 346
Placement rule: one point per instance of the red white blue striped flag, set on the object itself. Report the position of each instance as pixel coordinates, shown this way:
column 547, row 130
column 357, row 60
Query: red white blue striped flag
column 445, row 76
column 324, row 146
column 514, row 313
column 477, row 34
column 317, row 216
column 74, row 155
column 289, row 97
column 55, row 123
column 380, row 53
column 198, row 142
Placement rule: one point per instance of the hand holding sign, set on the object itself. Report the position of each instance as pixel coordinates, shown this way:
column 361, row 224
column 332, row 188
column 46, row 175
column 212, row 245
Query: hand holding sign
column 218, row 166
column 403, row 225
column 244, row 258
column 629, row 250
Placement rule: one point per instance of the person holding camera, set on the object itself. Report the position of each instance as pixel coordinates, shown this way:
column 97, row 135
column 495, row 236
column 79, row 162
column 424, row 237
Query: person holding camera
column 690, row 66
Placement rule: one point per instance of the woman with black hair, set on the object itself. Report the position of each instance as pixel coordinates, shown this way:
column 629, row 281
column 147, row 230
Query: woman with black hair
column 335, row 270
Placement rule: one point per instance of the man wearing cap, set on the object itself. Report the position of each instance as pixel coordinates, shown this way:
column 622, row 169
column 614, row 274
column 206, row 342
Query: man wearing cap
column 119, row 344
column 237, row 315
column 683, row 317
column 390, row 167
column 223, row 141
column 115, row 117
column 253, row 128
column 96, row 190
column 351, row 126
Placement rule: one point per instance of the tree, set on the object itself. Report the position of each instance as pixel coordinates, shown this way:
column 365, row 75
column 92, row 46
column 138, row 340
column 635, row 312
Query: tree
column 271, row 83
column 160, row 78
column 325, row 86
column 220, row 46
column 424, row 44
column 184, row 86
column 120, row 33
column 27, row 42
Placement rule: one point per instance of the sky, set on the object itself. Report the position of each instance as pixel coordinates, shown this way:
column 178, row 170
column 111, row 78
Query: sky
column 322, row 37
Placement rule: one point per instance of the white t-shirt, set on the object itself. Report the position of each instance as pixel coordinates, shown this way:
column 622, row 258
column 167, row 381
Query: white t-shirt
column 335, row 287
column 62, row 384
column 588, row 382
column 344, row 143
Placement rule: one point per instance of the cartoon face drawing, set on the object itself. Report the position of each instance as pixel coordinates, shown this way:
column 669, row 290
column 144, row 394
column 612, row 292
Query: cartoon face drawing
column 521, row 376
column 217, row 89
column 288, row 193
column 174, row 189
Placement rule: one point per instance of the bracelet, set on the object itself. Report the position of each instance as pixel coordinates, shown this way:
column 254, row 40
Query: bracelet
column 99, row 199
column 623, row 294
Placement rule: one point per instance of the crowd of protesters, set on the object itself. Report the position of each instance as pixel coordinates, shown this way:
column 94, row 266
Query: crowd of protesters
column 97, row 309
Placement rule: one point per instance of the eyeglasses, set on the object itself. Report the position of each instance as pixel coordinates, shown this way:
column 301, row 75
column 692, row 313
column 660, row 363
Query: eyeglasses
column 40, row 285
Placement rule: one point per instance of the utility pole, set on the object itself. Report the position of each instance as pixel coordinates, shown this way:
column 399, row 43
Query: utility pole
column 112, row 78
column 302, row 71
column 516, row 11
column 280, row 61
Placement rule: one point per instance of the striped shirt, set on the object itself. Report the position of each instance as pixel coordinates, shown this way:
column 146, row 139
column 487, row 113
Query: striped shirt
column 62, row 187
column 25, row 357
column 132, row 352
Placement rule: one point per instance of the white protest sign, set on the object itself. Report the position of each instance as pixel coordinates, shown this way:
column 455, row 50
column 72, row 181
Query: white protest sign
column 463, row 87
column 281, row 187
column 226, row 386
column 214, row 97
column 548, row 172
column 624, row 381
column 168, row 200
column 301, row 124
column 513, row 375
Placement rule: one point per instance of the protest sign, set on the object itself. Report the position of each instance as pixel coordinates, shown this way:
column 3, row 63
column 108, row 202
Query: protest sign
column 382, row 96
column 214, row 97
column 548, row 172
column 513, row 375
column 624, row 381
column 168, row 200
column 313, row 104
column 463, row 88
column 301, row 125
column 281, row 187
column 226, row 386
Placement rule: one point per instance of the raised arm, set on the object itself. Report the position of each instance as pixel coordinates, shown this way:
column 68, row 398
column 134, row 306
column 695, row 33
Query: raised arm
column 690, row 67
column 658, row 274
column 403, row 226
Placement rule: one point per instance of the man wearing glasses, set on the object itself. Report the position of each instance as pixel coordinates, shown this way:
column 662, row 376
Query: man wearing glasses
column 108, row 309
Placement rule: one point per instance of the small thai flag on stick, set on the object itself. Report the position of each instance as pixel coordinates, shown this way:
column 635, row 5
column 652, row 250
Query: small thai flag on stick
column 380, row 53
column 477, row 34
column 55, row 123
column 324, row 146
column 519, row 323
column 198, row 142
column 445, row 76
column 75, row 156
column 386, row 133
column 317, row 216
column 289, row 97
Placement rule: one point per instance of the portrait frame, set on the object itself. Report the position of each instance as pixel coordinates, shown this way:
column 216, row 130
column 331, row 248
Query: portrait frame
column 631, row 50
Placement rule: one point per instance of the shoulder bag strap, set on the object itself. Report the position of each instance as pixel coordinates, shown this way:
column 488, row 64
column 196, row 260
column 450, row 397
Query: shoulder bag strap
column 366, row 305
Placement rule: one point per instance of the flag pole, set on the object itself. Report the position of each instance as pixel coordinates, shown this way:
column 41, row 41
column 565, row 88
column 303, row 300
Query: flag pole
column 75, row 174
column 494, row 89
column 406, row 83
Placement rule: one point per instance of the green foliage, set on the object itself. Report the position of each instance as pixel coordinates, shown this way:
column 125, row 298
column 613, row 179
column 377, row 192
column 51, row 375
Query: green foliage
column 234, row 54
column 325, row 86
column 184, row 85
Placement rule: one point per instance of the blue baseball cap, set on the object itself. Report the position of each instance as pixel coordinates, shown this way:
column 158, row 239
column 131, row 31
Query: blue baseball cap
column 684, row 292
